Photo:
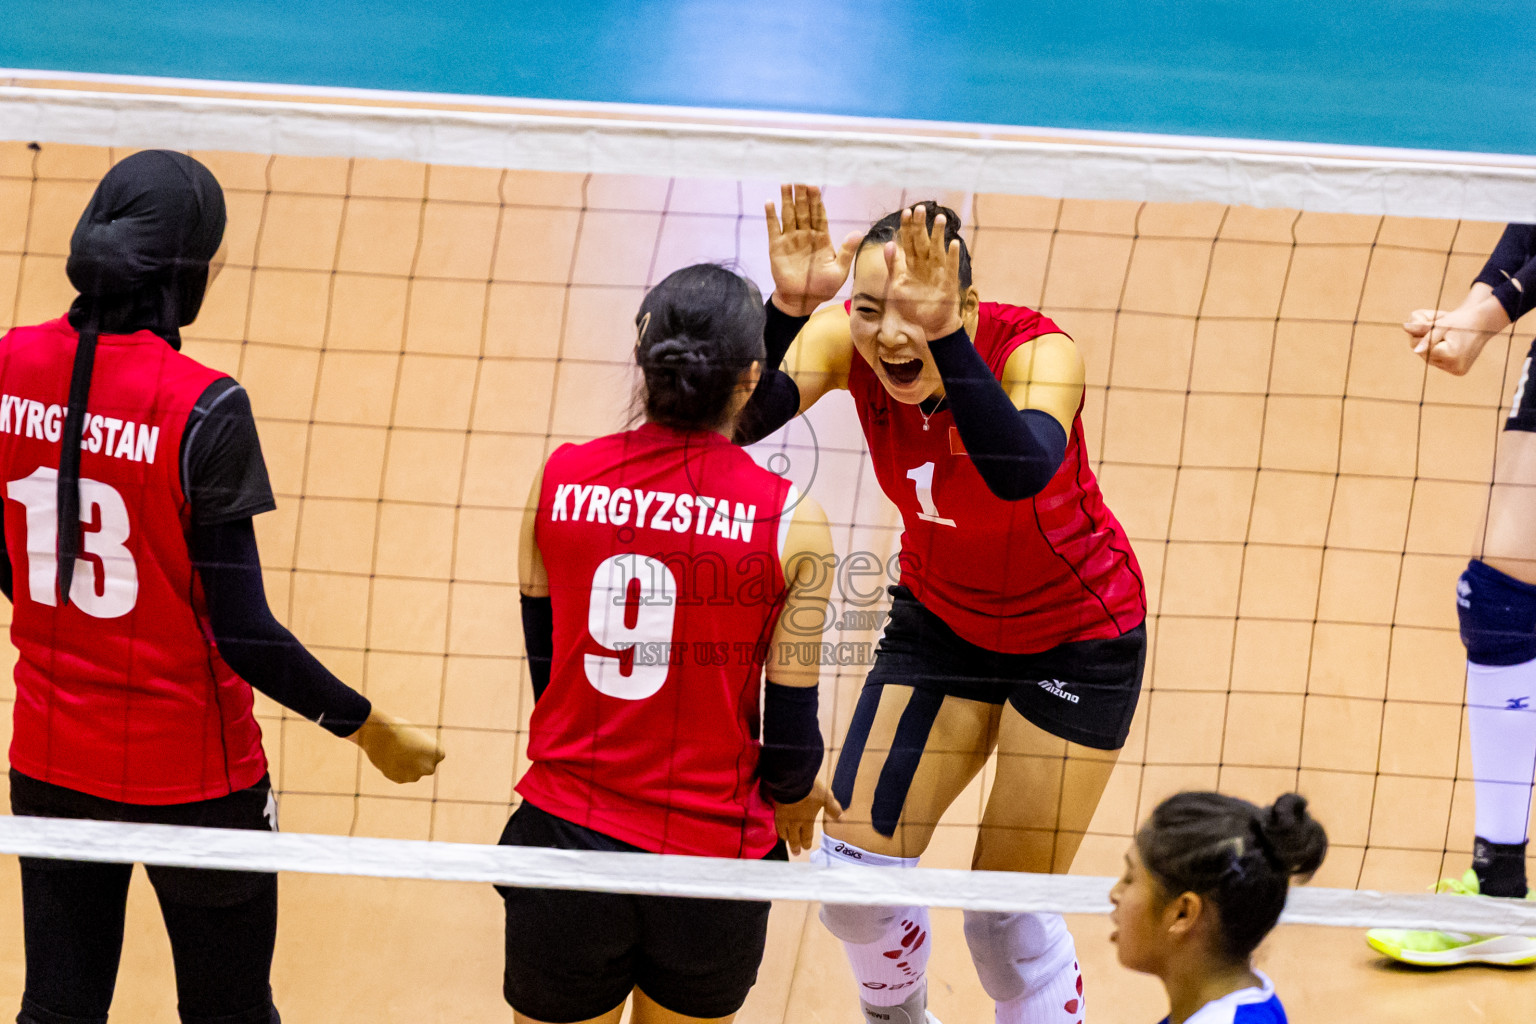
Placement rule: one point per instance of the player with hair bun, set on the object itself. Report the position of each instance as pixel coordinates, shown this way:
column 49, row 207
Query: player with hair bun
column 661, row 567
column 1018, row 624
column 1205, row 881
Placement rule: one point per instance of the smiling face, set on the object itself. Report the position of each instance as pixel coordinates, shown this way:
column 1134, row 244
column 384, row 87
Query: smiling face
column 1140, row 931
column 895, row 348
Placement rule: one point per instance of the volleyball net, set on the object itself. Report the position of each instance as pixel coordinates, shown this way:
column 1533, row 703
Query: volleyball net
column 424, row 301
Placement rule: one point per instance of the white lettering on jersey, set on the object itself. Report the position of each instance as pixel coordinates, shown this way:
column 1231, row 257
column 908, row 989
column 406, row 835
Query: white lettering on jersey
column 125, row 439
column 665, row 511
column 558, row 514
column 643, row 501
column 683, row 516
column 664, row 500
column 741, row 522
column 618, row 505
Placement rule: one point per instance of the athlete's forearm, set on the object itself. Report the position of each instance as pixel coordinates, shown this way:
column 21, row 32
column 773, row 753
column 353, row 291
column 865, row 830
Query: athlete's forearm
column 256, row 645
column 779, row 332
column 792, row 744
column 1511, row 270
column 776, row 399
column 1017, row 452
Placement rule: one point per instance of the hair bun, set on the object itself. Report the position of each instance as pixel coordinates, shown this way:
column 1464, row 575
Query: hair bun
column 680, row 352
column 1293, row 840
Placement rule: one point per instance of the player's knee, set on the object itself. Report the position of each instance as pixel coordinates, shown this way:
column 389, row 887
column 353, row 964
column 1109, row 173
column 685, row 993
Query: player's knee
column 856, row 924
column 1498, row 616
column 1016, row 953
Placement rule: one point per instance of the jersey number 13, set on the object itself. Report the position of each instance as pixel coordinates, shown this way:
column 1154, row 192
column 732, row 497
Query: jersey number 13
column 106, row 581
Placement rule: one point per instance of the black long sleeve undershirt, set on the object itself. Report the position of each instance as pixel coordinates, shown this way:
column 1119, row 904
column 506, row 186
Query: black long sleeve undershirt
column 1511, row 270
column 1017, row 452
column 776, row 399
column 256, row 645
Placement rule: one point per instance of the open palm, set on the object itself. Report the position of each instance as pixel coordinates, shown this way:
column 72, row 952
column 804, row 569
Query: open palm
column 807, row 269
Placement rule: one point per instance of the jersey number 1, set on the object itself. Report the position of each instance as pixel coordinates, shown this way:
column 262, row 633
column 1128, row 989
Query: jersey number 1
column 923, row 477
column 106, row 582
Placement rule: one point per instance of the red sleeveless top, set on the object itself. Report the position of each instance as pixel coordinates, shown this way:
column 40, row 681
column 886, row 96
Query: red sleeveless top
column 663, row 554
column 121, row 694
column 1011, row 576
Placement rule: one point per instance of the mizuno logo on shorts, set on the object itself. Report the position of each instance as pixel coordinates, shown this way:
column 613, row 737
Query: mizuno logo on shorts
column 1053, row 686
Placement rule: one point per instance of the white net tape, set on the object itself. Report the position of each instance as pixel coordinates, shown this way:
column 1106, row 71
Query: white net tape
column 657, row 875
column 1328, row 179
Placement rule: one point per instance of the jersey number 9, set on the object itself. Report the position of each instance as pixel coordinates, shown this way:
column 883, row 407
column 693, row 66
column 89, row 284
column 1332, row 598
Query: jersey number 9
column 631, row 612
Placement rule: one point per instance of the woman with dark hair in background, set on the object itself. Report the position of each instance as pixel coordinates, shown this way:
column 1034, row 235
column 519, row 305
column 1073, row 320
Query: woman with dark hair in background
column 1205, row 881
column 131, row 473
column 660, row 567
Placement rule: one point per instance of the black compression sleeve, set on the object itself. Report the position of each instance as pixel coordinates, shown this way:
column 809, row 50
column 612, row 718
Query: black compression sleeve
column 776, row 400
column 538, row 640
column 6, row 582
column 1511, row 270
column 779, row 332
column 792, row 744
column 255, row 644
column 1015, row 451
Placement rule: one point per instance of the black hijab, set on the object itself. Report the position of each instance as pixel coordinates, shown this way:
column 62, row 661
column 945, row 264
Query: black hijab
column 139, row 257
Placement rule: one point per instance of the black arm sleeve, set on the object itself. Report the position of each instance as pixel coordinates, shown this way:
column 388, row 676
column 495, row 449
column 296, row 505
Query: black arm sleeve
column 792, row 744
column 1511, row 270
column 254, row 643
column 776, row 400
column 1015, row 451
column 222, row 472
column 538, row 640
column 6, row 583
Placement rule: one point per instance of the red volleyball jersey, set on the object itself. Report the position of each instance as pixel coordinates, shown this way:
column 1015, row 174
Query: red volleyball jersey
column 120, row 694
column 663, row 554
column 1010, row 576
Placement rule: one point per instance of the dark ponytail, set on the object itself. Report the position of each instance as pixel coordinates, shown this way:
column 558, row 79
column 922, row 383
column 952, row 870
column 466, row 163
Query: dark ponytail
column 1236, row 854
column 700, row 329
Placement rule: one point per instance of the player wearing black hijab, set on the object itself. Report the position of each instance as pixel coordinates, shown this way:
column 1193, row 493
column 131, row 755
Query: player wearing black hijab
column 131, row 474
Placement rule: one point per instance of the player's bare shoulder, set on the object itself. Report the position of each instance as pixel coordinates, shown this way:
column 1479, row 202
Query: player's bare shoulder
column 821, row 354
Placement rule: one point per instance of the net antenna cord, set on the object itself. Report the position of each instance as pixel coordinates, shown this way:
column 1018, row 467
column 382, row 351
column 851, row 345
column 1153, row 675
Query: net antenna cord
column 1074, row 165
column 670, row 875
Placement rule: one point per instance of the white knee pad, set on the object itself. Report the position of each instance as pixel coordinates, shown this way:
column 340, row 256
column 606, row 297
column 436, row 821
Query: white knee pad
column 849, row 922
column 1017, row 953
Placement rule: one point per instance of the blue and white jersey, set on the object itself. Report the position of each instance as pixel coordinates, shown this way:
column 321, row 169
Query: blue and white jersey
column 1245, row 1006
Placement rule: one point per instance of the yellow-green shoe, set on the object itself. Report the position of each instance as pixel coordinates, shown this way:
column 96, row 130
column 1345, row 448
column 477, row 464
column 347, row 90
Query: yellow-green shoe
column 1451, row 949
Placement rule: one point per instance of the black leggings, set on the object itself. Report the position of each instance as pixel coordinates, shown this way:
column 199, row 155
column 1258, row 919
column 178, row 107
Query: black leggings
column 73, row 917
column 222, row 924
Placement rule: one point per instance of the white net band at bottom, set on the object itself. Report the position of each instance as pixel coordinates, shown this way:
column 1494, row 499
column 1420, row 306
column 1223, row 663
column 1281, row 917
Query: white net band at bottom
column 658, row 875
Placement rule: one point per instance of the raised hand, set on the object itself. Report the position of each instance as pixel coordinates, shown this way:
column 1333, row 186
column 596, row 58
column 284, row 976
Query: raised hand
column 796, row 822
column 807, row 269
column 1451, row 340
column 923, row 280
column 403, row 753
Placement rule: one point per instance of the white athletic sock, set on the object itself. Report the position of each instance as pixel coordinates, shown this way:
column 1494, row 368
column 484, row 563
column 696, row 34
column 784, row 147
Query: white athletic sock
column 887, row 947
column 1501, row 717
column 1059, row 1001
column 1028, row 964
